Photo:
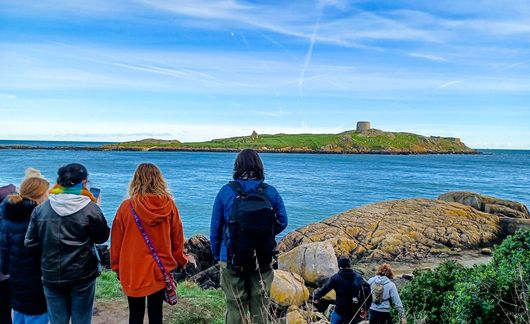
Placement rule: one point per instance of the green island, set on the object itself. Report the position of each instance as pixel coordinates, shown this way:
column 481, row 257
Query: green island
column 363, row 140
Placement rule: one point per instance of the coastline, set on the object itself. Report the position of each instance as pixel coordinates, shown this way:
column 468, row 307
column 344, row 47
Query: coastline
column 224, row 150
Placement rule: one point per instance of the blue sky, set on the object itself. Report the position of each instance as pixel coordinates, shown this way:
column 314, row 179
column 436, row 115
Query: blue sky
column 196, row 70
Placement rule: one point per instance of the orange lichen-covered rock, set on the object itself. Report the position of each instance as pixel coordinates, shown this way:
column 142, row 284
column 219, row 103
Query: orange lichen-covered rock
column 400, row 230
column 288, row 289
column 315, row 262
column 488, row 204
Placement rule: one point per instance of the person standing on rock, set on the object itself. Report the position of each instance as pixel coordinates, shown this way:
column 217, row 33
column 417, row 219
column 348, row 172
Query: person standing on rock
column 352, row 291
column 247, row 215
column 384, row 294
column 150, row 213
column 65, row 228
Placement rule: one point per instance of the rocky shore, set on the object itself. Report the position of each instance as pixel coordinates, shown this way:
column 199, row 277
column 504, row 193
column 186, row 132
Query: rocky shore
column 260, row 150
column 409, row 234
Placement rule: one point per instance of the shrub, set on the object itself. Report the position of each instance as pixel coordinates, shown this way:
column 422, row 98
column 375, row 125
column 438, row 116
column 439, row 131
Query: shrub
column 427, row 294
column 497, row 292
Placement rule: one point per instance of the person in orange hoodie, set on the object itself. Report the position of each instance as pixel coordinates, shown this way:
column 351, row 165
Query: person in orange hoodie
column 131, row 259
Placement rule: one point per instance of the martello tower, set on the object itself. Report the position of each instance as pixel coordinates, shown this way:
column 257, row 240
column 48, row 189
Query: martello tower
column 363, row 126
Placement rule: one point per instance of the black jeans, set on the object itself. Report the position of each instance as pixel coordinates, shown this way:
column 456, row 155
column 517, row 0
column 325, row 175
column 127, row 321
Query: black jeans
column 154, row 308
column 5, row 306
column 375, row 317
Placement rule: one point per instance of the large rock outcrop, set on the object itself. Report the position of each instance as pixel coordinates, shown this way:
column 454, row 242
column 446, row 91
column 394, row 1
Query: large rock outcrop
column 288, row 289
column 315, row 262
column 200, row 259
column 199, row 247
column 488, row 204
column 400, row 230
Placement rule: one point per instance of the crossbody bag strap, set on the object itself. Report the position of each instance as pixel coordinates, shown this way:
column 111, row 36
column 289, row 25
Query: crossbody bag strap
column 150, row 246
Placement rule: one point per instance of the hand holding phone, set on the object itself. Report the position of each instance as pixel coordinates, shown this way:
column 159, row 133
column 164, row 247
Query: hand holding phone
column 96, row 192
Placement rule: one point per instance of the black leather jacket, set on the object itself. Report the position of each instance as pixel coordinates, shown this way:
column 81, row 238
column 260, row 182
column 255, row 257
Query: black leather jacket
column 67, row 243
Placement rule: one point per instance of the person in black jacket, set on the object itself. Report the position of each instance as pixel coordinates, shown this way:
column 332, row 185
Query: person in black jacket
column 352, row 291
column 22, row 263
column 5, row 304
column 65, row 228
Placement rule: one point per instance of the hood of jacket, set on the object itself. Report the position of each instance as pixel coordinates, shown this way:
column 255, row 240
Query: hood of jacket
column 381, row 279
column 19, row 212
column 153, row 209
column 7, row 190
column 249, row 185
column 68, row 204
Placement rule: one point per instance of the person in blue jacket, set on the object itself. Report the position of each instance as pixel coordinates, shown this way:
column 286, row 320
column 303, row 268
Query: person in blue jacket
column 246, row 291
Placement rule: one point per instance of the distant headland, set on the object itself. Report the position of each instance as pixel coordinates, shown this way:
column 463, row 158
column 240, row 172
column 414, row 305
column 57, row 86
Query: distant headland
column 363, row 140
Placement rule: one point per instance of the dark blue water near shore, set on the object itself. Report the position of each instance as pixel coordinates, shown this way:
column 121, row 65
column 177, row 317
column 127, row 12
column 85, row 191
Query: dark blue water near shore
column 313, row 186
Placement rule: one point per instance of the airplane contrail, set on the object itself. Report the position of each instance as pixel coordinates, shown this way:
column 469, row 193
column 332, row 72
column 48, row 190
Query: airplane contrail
column 308, row 58
column 448, row 84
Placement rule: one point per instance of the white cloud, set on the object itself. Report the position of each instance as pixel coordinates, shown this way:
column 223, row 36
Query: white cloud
column 448, row 84
column 269, row 113
column 8, row 96
column 125, row 131
column 429, row 57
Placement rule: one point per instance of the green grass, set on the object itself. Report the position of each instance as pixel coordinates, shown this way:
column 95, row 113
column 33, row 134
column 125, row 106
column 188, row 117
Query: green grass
column 108, row 286
column 195, row 305
column 279, row 141
column 199, row 305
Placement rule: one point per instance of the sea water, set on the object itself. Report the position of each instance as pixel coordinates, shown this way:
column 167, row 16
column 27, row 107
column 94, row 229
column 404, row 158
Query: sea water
column 313, row 186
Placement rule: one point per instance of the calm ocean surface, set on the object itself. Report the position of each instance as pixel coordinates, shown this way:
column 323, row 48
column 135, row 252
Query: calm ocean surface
column 313, row 187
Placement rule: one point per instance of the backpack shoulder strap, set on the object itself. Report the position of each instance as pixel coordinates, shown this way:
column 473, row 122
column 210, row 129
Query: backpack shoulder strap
column 262, row 187
column 237, row 188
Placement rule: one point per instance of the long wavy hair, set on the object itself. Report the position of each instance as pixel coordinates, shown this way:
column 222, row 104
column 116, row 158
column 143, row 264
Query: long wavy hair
column 32, row 188
column 148, row 180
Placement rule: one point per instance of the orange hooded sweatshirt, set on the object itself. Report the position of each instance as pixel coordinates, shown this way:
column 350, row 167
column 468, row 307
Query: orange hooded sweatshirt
column 129, row 256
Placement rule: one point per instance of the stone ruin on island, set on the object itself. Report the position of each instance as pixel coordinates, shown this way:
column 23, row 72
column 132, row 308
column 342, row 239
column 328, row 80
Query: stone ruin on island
column 363, row 126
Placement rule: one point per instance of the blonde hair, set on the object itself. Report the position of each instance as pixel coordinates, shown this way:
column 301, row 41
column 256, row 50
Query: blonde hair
column 31, row 173
column 385, row 270
column 148, row 179
column 31, row 188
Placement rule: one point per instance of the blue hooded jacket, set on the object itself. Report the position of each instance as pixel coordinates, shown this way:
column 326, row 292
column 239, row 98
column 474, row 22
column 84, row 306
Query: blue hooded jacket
column 222, row 209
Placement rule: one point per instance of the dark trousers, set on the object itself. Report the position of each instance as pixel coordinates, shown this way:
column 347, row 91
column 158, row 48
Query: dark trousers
column 5, row 305
column 375, row 317
column 154, row 308
column 246, row 293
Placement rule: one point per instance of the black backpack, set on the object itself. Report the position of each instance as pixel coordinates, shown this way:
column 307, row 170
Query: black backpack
column 251, row 226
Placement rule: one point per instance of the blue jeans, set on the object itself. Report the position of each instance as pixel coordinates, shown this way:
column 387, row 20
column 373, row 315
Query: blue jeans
column 20, row 318
column 74, row 302
column 338, row 319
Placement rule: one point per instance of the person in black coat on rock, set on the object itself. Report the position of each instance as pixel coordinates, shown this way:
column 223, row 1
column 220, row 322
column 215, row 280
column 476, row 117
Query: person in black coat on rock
column 21, row 263
column 352, row 291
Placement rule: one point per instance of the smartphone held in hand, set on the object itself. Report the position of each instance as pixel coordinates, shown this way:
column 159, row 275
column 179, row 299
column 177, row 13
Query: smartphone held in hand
column 96, row 192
